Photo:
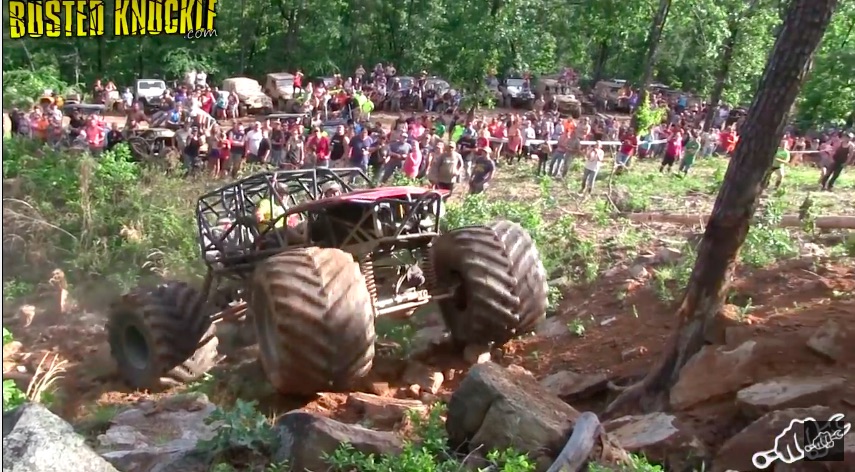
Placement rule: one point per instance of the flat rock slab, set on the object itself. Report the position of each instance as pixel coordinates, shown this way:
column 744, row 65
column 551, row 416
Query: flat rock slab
column 495, row 408
column 787, row 392
column 155, row 436
column 833, row 341
column 304, row 438
column 570, row 386
column 383, row 411
column 660, row 437
column 36, row 440
column 731, row 369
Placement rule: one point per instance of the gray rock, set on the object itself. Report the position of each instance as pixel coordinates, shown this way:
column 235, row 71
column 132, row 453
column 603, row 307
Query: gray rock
column 731, row 370
column 427, row 378
column 661, row 438
column 495, row 408
column 667, row 255
column 157, row 437
column 831, row 341
column 571, row 386
column 787, row 392
column 551, row 328
column 384, row 411
column 427, row 339
column 36, row 440
column 638, row 271
column 303, row 439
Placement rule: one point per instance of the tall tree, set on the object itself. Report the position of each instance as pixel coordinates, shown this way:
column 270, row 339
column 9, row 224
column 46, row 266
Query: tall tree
column 803, row 29
column 734, row 27
column 657, row 25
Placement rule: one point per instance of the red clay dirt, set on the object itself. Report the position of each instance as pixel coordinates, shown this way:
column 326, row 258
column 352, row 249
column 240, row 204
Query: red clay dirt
column 791, row 300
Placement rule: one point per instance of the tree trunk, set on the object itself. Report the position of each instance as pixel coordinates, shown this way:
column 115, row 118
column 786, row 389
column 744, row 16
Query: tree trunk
column 600, row 63
column 805, row 24
column 653, row 37
column 722, row 73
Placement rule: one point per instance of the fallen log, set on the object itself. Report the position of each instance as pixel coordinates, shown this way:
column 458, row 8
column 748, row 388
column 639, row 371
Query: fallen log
column 575, row 453
column 788, row 221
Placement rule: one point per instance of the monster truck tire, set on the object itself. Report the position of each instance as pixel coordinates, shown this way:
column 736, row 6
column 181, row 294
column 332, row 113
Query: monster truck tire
column 154, row 333
column 502, row 289
column 314, row 320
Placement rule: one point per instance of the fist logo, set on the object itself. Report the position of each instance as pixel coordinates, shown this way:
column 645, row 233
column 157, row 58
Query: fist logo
column 790, row 447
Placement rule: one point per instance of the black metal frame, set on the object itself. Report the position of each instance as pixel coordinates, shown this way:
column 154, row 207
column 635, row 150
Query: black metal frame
column 370, row 229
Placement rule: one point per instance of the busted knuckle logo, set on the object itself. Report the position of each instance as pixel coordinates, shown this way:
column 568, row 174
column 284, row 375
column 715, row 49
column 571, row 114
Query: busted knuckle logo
column 192, row 19
column 806, row 439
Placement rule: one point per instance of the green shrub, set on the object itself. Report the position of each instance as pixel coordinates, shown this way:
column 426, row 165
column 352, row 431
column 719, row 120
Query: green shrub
column 98, row 218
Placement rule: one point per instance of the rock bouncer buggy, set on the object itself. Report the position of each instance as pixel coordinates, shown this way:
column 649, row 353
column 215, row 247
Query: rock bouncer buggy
column 314, row 276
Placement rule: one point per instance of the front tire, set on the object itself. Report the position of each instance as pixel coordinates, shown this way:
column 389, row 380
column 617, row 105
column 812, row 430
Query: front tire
column 155, row 333
column 502, row 289
column 314, row 320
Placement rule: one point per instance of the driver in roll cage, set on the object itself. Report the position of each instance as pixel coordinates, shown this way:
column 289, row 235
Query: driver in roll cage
column 330, row 189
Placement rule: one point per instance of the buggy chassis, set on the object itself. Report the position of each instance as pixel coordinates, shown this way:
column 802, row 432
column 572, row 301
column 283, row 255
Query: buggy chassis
column 375, row 225
column 314, row 272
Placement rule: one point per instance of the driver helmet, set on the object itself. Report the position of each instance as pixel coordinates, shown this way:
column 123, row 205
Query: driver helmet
column 331, row 189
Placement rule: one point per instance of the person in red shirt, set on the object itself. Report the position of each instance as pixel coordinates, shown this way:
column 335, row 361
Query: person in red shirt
column 298, row 81
column 483, row 140
column 728, row 139
column 627, row 149
column 673, row 151
column 319, row 145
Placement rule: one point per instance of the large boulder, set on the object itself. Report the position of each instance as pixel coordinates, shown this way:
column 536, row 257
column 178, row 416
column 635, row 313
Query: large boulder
column 496, row 408
column 732, row 370
column 36, row 440
column 303, row 439
column 833, row 341
column 160, row 436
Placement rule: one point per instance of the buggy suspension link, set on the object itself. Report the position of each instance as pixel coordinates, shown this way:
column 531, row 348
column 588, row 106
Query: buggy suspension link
column 231, row 313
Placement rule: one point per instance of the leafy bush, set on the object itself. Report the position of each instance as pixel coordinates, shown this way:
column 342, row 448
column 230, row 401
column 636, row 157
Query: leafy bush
column 426, row 452
column 97, row 218
column 22, row 87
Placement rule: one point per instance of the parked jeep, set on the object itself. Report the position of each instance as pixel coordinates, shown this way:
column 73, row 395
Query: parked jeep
column 251, row 99
column 280, row 88
column 149, row 93
column 517, row 93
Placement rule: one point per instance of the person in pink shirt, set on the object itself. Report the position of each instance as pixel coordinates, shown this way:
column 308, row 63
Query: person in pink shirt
column 95, row 135
column 416, row 131
column 413, row 162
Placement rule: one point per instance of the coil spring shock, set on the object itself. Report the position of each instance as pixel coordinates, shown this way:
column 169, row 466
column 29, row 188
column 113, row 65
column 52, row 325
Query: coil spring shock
column 367, row 267
column 427, row 270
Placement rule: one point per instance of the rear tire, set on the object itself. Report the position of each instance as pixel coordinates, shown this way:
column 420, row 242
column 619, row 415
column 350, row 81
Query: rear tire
column 314, row 320
column 154, row 333
column 503, row 291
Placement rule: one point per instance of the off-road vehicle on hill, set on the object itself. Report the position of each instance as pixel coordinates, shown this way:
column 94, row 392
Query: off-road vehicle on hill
column 280, row 87
column 313, row 271
column 251, row 99
column 517, row 93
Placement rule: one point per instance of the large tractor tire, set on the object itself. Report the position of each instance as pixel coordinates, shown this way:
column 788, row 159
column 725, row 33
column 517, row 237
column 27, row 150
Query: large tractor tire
column 501, row 282
column 155, row 333
column 314, row 320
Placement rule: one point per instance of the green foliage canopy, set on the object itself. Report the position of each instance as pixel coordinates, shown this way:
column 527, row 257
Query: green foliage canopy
column 460, row 40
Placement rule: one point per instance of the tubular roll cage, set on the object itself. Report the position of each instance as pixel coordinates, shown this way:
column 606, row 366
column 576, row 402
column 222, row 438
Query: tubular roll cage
column 381, row 226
